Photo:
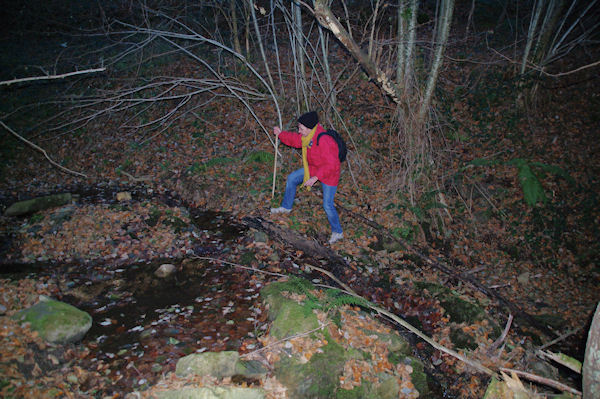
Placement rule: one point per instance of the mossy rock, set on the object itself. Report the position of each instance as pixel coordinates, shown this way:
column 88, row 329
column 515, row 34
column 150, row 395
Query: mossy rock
column 55, row 321
column 316, row 379
column 418, row 376
column 499, row 390
column 359, row 392
column 218, row 364
column 292, row 319
column 457, row 308
column 395, row 343
column 212, row 393
column 461, row 339
column 38, row 204
column 388, row 389
column 461, row 311
column 288, row 316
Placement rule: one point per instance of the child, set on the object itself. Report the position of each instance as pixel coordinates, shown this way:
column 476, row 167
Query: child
column 320, row 163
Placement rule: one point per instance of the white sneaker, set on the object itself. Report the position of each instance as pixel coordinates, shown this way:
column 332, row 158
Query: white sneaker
column 336, row 237
column 280, row 210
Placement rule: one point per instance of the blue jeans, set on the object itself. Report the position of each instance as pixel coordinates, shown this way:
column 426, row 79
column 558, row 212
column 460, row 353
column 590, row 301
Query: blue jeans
column 294, row 180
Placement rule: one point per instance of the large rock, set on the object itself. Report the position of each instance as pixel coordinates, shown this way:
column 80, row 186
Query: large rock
column 38, row 204
column 288, row 316
column 319, row 378
column 165, row 270
column 218, row 364
column 213, row 393
column 56, row 321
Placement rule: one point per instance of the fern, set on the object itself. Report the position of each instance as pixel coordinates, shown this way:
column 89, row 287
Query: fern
column 533, row 191
column 532, row 188
column 298, row 285
column 556, row 170
column 336, row 298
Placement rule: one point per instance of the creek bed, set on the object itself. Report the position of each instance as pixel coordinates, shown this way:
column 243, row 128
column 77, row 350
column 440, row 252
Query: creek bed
column 143, row 324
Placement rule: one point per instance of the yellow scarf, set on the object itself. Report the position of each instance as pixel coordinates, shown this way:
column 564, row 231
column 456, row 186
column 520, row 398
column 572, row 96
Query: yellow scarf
column 305, row 142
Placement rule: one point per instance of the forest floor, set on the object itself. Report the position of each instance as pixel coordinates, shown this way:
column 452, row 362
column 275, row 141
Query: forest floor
column 541, row 257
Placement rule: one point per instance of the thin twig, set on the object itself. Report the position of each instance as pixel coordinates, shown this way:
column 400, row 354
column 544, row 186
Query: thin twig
column 542, row 380
column 286, row 339
column 558, row 339
column 41, row 150
column 502, row 337
column 48, row 77
column 240, row 266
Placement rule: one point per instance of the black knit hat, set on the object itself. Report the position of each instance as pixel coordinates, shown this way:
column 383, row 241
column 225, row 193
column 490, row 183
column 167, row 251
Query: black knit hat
column 309, row 119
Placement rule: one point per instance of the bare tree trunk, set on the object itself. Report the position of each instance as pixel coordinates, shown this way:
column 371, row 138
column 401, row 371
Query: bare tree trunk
column 591, row 363
column 547, row 28
column 401, row 42
column 539, row 5
column 234, row 27
column 410, row 45
column 282, row 88
column 328, row 20
column 260, row 44
column 371, row 37
column 300, row 61
column 331, row 96
column 470, row 18
column 247, row 27
column 445, row 21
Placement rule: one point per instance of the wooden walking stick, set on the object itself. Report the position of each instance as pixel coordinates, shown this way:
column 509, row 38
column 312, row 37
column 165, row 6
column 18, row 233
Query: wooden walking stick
column 275, row 167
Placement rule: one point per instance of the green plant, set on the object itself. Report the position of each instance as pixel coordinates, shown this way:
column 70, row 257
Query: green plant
column 533, row 191
column 333, row 298
column 260, row 156
column 37, row 217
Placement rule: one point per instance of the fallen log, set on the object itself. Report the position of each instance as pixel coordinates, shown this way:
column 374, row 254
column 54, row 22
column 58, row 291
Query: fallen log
column 337, row 264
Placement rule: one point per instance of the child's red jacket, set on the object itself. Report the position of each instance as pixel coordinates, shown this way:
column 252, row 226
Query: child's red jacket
column 323, row 160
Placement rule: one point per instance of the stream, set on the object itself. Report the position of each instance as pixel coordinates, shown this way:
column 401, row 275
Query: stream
column 142, row 324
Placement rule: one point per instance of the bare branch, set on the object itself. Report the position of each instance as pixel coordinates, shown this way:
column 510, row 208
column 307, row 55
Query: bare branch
column 48, row 77
column 542, row 380
column 41, row 150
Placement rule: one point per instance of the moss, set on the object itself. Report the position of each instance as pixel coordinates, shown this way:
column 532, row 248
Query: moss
column 457, row 308
column 359, row 392
column 291, row 318
column 337, row 319
column 56, row 321
column 432, row 288
column 316, row 379
column 388, row 389
column 395, row 358
column 247, row 258
column 418, row 376
column 462, row 340
column 176, row 223
column 461, row 311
